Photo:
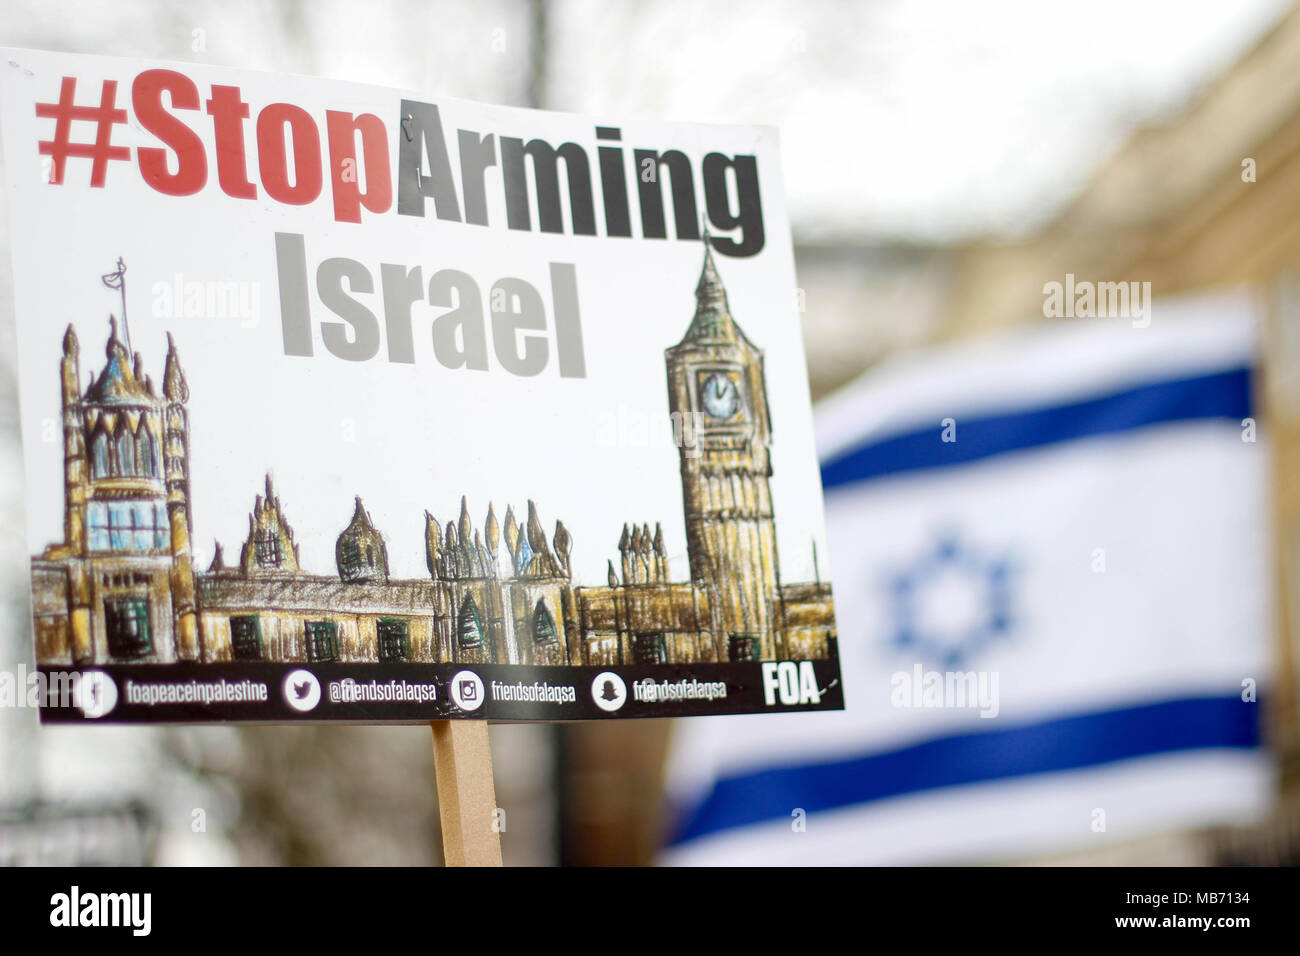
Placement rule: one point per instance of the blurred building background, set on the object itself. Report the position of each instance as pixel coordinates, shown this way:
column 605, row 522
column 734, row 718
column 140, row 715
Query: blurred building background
column 943, row 160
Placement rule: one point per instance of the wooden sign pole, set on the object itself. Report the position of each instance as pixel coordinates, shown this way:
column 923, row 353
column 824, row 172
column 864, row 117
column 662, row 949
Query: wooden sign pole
column 467, row 799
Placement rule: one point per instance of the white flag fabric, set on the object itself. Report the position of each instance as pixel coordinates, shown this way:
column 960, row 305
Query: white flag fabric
column 1050, row 557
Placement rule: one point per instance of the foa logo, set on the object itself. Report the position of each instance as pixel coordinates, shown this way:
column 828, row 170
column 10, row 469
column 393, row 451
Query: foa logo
column 794, row 683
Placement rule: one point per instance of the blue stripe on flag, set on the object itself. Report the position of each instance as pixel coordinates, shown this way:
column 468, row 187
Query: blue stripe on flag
column 1225, row 395
column 1067, row 743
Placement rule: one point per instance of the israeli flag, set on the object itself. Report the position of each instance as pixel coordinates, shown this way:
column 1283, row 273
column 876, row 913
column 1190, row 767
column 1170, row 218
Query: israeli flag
column 1050, row 558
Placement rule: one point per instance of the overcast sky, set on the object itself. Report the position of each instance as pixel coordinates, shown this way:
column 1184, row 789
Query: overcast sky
column 912, row 120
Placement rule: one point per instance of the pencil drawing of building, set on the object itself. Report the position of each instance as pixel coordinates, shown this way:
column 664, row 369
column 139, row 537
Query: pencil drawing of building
column 121, row 586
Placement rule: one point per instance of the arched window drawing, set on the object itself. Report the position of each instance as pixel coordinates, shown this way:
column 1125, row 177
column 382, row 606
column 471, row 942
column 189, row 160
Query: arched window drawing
column 525, row 554
column 469, row 628
column 349, row 558
column 146, row 453
column 99, row 455
column 544, row 625
column 268, row 552
column 125, row 447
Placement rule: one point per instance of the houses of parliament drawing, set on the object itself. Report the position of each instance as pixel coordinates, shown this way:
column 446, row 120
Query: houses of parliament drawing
column 122, row 587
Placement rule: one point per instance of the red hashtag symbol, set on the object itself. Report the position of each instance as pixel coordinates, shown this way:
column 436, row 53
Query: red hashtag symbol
column 104, row 116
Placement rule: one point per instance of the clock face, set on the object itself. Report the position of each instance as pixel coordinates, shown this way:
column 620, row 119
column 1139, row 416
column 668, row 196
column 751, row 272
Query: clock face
column 719, row 396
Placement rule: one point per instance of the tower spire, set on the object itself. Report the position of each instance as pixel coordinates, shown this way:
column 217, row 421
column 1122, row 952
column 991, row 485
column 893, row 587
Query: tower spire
column 175, row 388
column 710, row 283
column 360, row 551
column 712, row 321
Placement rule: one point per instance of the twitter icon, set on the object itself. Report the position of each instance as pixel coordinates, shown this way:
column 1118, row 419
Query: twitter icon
column 301, row 690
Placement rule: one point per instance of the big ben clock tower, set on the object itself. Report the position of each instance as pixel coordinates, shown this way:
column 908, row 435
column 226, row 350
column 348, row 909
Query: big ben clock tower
column 718, row 397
